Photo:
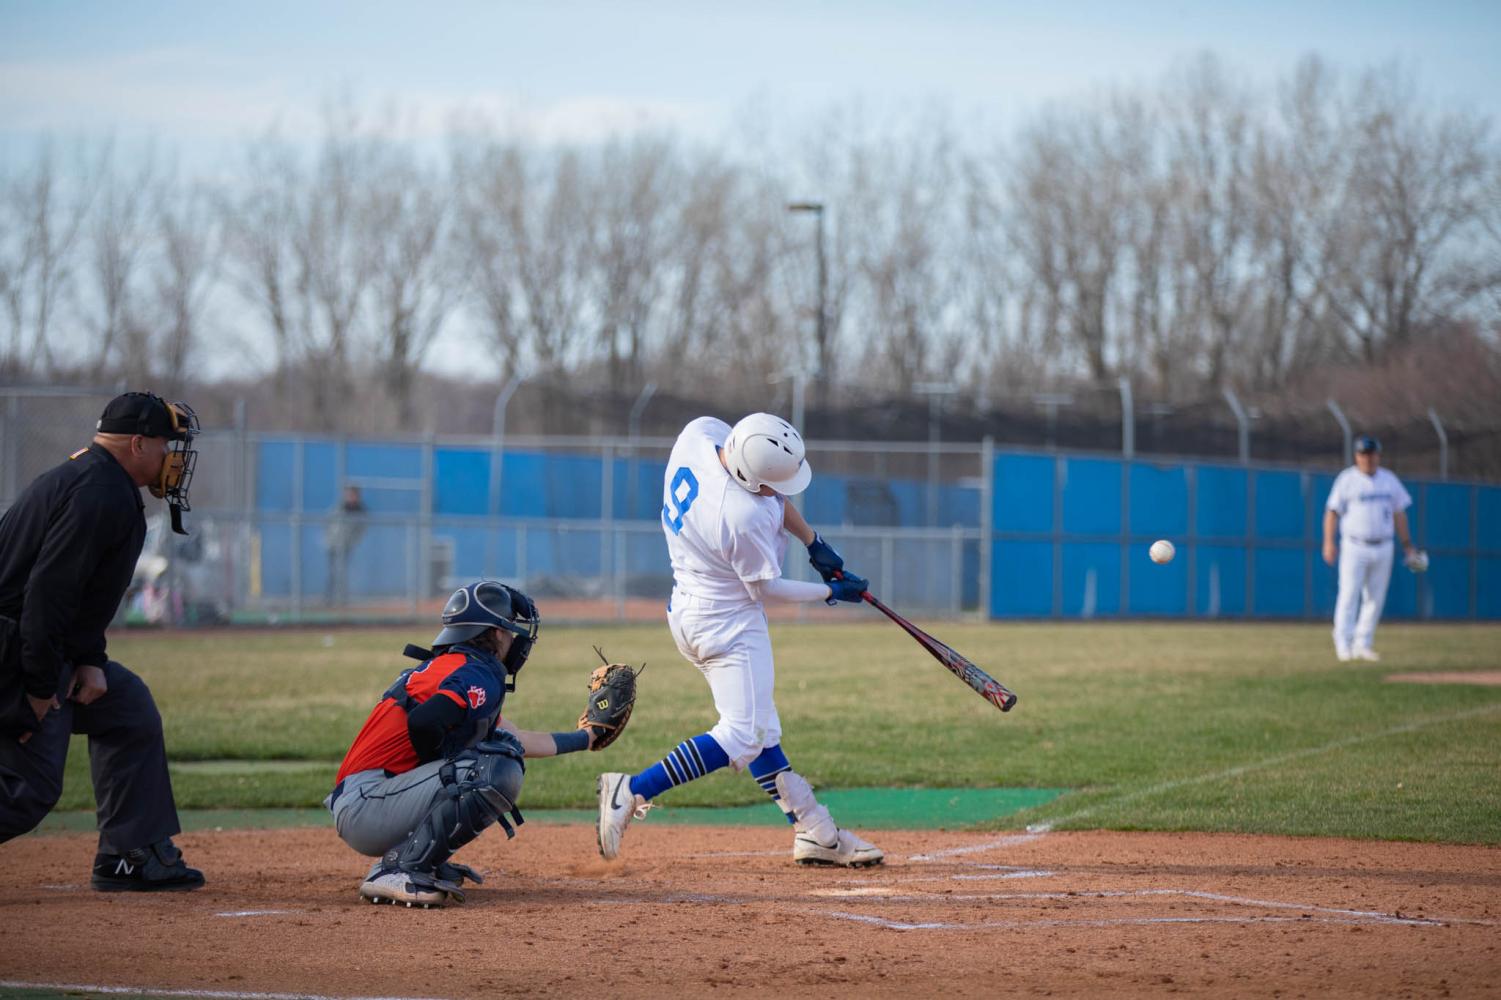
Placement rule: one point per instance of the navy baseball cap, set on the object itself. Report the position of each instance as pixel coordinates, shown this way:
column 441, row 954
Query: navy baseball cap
column 143, row 413
column 1366, row 444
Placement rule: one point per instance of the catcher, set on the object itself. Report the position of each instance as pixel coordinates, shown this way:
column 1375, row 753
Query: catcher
column 435, row 764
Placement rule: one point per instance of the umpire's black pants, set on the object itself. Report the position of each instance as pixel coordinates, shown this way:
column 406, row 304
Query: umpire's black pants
column 127, row 758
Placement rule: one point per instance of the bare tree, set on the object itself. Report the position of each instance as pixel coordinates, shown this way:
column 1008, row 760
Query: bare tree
column 634, row 184
column 42, row 215
column 187, row 262
column 117, row 241
column 1415, row 190
column 300, row 256
column 413, row 288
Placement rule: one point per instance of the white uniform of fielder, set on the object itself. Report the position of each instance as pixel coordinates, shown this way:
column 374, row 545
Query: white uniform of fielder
column 1368, row 504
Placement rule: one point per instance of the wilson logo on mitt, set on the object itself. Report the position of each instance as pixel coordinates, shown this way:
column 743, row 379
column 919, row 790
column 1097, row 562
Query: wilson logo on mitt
column 612, row 695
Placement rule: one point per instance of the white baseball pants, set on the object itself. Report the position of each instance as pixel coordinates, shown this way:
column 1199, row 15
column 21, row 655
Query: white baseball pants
column 730, row 644
column 1364, row 572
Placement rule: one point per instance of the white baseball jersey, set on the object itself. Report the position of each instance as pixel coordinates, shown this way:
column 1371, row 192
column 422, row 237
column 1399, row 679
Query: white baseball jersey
column 719, row 536
column 1365, row 504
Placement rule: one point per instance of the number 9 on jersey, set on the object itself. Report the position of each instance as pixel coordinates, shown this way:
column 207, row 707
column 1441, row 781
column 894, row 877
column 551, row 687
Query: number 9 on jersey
column 680, row 495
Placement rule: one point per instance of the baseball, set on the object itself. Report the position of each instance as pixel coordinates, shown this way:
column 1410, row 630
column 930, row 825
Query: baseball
column 1162, row 551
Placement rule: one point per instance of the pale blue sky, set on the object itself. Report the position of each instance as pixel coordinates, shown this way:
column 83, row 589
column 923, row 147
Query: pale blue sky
column 198, row 74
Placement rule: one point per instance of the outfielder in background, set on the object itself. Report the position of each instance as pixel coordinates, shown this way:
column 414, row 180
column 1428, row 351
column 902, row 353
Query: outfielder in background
column 726, row 519
column 1366, row 504
column 68, row 547
column 435, row 763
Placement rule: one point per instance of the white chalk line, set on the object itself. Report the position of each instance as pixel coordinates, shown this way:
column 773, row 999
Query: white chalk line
column 16, row 984
column 1012, row 840
column 253, row 913
column 872, row 894
column 1235, row 772
column 740, row 854
column 897, row 925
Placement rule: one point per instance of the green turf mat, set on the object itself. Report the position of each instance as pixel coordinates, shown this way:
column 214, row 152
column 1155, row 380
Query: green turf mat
column 857, row 808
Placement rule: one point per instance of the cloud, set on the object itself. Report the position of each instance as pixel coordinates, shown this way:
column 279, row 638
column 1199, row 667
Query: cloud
column 187, row 96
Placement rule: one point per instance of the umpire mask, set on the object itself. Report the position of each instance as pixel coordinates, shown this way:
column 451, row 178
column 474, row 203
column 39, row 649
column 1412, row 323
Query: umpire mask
column 148, row 415
column 475, row 609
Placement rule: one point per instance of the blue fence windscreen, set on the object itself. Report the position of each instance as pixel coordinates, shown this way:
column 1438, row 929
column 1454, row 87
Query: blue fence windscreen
column 1220, row 502
column 1279, row 505
column 1069, row 539
column 1091, row 496
column 1022, row 500
column 1159, row 501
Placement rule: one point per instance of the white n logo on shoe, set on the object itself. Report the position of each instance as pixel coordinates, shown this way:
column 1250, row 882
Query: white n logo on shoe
column 124, row 868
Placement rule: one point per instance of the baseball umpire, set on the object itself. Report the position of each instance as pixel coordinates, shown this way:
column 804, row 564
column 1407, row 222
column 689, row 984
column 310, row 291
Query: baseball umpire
column 435, row 765
column 68, row 547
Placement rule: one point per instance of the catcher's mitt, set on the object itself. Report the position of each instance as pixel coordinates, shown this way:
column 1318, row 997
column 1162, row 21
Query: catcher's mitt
column 612, row 694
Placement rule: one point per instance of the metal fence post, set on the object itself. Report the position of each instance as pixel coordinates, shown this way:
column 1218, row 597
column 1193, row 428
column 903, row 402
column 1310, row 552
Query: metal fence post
column 425, row 523
column 609, row 572
column 1243, row 425
column 1344, row 427
column 987, row 521
column 297, row 473
column 1128, row 419
column 1443, row 443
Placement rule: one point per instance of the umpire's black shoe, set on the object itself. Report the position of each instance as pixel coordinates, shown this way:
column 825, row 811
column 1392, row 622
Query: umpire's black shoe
column 158, row 868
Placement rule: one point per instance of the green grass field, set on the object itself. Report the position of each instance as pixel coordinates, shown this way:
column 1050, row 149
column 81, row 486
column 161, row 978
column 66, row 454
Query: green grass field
column 1246, row 728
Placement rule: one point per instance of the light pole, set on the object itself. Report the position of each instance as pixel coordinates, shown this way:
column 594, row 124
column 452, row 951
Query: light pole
column 633, row 424
column 497, row 458
column 821, row 332
column 935, row 391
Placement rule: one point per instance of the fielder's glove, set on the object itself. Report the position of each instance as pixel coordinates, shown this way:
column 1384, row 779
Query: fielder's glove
column 822, row 557
column 612, row 695
column 1417, row 561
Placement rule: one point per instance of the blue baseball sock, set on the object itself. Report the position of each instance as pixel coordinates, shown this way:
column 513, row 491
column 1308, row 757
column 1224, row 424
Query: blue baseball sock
column 765, row 769
column 689, row 759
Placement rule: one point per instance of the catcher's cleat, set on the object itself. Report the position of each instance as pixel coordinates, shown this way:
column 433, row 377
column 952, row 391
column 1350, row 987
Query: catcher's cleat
column 618, row 805
column 157, row 868
column 847, row 851
column 397, row 887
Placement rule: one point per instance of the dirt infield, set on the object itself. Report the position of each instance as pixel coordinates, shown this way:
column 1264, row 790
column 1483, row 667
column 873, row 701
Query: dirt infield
column 722, row 911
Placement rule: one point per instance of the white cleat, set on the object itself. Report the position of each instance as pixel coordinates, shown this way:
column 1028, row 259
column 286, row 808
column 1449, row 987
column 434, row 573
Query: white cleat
column 1368, row 654
column 848, row 850
column 397, row 887
column 1343, row 655
column 618, row 805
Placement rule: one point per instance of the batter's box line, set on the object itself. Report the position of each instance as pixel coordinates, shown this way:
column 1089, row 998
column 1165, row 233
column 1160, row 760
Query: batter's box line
column 1335, row 914
column 1014, row 840
column 16, row 984
column 897, row 925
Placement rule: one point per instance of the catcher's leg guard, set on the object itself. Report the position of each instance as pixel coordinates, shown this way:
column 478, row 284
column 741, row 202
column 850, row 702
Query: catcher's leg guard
column 818, row 840
column 418, row 872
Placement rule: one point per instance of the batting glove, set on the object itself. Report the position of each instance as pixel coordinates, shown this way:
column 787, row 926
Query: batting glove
column 822, row 557
column 848, row 587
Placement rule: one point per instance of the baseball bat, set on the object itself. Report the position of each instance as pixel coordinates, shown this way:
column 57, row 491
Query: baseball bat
column 985, row 686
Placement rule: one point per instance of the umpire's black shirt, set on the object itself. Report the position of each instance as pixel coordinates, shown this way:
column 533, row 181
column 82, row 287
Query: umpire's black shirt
column 68, row 548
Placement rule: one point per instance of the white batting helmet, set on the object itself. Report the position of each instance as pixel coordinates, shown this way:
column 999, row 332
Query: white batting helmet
column 765, row 450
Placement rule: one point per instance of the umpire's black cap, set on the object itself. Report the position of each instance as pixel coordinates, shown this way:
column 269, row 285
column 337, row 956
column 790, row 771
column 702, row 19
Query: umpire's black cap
column 141, row 413
column 1365, row 444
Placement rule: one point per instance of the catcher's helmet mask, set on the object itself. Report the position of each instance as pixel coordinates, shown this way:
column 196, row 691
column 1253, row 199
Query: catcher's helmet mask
column 149, row 415
column 478, row 607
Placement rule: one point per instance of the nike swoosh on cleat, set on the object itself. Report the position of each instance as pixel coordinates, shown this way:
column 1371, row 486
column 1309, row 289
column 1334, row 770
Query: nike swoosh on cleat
column 615, row 794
